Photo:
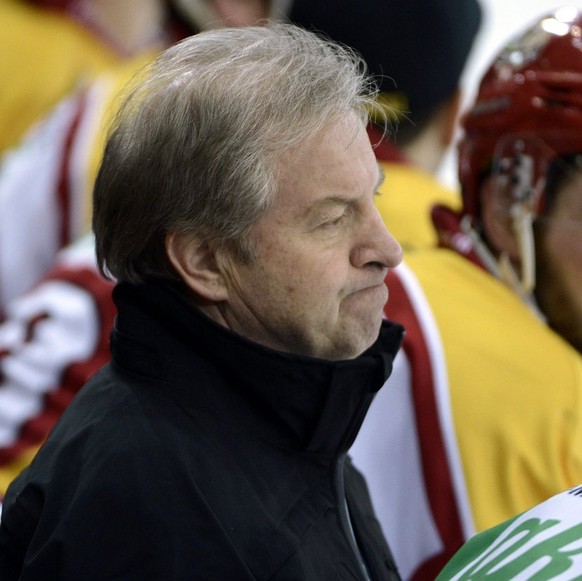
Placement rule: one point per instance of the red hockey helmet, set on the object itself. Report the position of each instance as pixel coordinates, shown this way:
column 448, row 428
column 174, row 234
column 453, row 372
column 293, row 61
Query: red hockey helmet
column 528, row 109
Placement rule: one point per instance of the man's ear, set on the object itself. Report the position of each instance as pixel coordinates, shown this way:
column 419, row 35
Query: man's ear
column 498, row 222
column 195, row 262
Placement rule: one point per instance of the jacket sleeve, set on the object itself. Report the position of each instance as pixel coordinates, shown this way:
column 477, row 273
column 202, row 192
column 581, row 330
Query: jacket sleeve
column 61, row 518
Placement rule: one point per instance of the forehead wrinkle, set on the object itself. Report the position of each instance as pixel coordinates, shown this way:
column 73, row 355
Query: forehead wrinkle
column 322, row 205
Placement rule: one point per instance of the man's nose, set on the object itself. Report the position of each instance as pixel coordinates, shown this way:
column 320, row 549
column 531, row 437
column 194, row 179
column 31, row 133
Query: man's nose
column 376, row 244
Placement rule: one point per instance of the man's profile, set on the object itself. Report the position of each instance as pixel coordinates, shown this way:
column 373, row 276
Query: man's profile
column 235, row 208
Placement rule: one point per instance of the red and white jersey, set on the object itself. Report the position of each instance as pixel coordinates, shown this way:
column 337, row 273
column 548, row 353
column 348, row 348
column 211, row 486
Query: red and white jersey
column 44, row 192
column 46, row 183
column 52, row 340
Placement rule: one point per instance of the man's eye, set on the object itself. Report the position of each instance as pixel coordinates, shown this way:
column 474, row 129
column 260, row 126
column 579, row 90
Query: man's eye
column 333, row 223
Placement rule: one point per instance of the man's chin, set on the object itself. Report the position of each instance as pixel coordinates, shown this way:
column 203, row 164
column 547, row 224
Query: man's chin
column 368, row 336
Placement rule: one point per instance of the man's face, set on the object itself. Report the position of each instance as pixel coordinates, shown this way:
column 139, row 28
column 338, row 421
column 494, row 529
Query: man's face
column 317, row 287
column 559, row 263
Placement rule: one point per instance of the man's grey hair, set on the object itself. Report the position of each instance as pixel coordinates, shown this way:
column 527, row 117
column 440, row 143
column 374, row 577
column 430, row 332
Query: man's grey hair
column 196, row 144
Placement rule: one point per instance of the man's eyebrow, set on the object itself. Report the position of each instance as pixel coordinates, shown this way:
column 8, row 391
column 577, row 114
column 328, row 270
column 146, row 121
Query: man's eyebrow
column 322, row 205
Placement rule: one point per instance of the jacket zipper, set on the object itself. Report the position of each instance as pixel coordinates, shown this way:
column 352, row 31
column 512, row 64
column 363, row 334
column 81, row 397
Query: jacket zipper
column 345, row 516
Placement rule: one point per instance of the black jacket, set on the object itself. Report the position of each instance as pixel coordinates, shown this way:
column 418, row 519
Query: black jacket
column 197, row 454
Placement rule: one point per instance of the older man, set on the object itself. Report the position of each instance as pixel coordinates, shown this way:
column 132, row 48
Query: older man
column 235, row 208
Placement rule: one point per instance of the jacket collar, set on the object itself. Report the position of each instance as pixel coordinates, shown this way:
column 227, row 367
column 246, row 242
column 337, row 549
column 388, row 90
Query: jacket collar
column 304, row 403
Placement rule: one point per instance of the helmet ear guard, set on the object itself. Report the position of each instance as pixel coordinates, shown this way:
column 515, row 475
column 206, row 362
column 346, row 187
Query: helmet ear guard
column 507, row 211
column 518, row 179
column 524, row 174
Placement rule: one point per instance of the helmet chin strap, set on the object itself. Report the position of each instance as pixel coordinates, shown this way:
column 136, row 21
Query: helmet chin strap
column 481, row 249
column 522, row 222
column 521, row 175
column 522, row 283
